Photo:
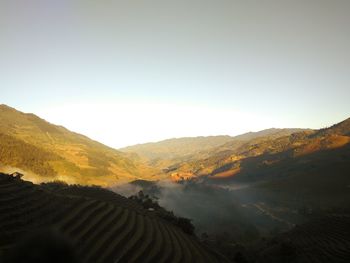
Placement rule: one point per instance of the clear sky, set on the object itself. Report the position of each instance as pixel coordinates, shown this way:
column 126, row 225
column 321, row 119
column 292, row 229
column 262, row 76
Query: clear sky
column 127, row 72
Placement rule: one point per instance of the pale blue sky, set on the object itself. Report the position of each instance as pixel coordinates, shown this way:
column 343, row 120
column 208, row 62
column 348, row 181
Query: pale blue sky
column 156, row 69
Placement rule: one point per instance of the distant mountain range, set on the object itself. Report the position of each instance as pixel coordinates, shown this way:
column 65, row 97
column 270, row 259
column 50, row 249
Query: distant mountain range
column 47, row 152
column 316, row 162
column 177, row 147
column 246, row 159
column 188, row 146
column 169, row 154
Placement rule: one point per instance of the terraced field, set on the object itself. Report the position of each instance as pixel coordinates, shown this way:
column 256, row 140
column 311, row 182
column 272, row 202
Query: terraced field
column 325, row 239
column 105, row 228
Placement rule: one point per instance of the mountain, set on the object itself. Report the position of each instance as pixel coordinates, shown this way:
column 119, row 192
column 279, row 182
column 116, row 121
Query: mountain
column 341, row 128
column 293, row 190
column 271, row 133
column 46, row 152
column 176, row 148
column 171, row 152
column 246, row 160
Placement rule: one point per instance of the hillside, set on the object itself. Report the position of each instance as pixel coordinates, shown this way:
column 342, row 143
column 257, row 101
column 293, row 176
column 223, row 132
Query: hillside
column 46, row 151
column 99, row 227
column 323, row 239
column 341, row 128
column 169, row 153
column 246, row 160
column 176, row 148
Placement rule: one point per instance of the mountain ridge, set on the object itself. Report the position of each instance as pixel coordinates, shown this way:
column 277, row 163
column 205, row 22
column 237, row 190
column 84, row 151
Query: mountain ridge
column 65, row 155
column 226, row 161
column 82, row 160
column 173, row 148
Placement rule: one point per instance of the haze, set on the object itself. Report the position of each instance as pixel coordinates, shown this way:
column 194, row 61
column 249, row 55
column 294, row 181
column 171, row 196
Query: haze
column 127, row 72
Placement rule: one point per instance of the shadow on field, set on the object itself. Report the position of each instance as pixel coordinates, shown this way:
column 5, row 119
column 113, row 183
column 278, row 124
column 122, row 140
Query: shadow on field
column 46, row 245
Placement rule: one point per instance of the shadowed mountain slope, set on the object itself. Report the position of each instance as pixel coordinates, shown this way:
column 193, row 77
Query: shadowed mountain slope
column 53, row 152
column 323, row 239
column 101, row 229
column 249, row 160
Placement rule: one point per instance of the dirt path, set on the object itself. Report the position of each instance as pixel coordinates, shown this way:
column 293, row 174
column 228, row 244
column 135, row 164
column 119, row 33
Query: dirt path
column 270, row 214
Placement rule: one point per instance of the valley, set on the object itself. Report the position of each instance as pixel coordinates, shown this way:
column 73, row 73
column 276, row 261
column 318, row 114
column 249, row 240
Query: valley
column 175, row 131
column 254, row 194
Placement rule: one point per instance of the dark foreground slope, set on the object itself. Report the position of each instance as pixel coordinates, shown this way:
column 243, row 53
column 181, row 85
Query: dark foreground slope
column 105, row 229
column 324, row 239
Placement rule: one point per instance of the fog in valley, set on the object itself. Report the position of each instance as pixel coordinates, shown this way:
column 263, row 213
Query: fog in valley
column 218, row 211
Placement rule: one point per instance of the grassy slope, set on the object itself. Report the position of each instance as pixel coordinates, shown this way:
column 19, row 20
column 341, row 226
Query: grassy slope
column 81, row 160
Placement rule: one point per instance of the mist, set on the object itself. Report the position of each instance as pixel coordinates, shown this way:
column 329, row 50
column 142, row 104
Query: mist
column 214, row 211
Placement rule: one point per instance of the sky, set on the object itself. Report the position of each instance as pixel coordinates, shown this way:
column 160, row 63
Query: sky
column 128, row 72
